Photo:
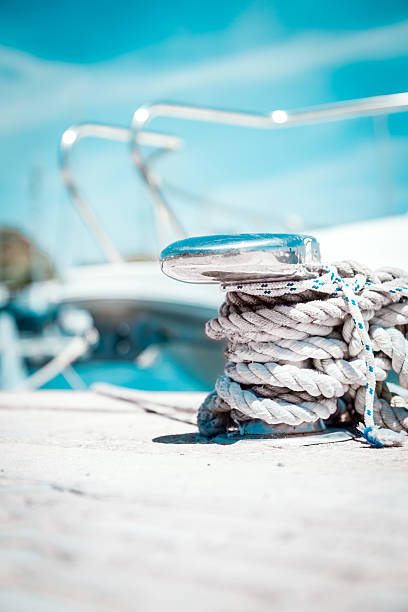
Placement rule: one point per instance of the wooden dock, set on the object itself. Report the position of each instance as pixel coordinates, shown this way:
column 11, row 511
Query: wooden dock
column 107, row 507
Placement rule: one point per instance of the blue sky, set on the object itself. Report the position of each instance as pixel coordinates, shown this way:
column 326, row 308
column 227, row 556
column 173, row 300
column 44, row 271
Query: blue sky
column 66, row 62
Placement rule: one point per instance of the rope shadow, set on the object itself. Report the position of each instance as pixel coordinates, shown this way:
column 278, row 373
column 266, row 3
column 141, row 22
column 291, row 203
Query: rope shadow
column 302, row 439
column 193, row 438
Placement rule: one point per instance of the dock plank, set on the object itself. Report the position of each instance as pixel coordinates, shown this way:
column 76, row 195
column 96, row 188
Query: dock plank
column 109, row 509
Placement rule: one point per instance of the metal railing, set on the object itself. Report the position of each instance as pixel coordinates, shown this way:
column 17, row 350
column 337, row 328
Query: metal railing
column 277, row 119
column 137, row 137
column 71, row 138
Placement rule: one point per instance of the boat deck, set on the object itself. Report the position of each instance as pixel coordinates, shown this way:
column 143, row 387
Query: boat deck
column 107, row 507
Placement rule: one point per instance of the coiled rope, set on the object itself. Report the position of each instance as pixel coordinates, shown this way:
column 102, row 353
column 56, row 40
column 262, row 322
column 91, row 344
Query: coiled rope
column 294, row 348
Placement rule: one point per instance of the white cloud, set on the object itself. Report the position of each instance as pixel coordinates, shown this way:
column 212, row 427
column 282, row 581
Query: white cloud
column 41, row 90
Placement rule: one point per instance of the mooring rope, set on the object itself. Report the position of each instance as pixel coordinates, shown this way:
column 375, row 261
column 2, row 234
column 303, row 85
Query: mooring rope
column 294, row 348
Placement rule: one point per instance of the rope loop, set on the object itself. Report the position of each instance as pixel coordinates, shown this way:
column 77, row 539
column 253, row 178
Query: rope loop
column 294, row 348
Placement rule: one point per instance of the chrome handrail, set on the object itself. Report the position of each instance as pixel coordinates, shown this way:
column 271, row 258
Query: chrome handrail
column 278, row 118
column 70, row 138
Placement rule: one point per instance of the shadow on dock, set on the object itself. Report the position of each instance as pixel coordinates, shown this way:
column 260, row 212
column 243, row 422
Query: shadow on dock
column 193, row 438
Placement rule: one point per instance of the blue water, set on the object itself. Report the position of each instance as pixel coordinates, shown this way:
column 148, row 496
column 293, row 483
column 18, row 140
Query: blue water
column 166, row 375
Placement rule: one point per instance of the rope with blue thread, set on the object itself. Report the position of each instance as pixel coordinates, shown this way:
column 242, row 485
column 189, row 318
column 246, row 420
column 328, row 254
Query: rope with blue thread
column 296, row 349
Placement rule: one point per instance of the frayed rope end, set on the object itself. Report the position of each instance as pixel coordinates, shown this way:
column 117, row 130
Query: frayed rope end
column 379, row 437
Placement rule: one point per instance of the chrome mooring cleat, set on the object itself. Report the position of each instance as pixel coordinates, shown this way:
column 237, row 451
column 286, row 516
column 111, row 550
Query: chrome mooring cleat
column 241, row 257
column 251, row 257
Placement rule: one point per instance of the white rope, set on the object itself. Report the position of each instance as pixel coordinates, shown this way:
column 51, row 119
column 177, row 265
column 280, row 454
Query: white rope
column 294, row 347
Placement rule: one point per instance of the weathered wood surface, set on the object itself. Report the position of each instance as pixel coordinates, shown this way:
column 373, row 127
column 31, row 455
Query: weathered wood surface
column 109, row 508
